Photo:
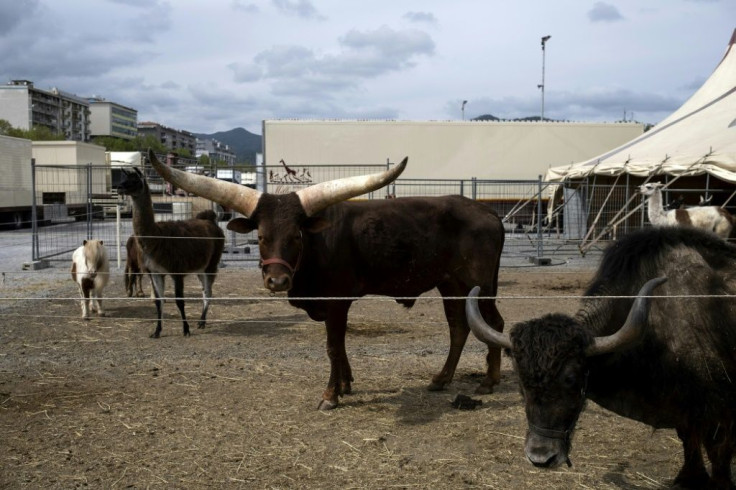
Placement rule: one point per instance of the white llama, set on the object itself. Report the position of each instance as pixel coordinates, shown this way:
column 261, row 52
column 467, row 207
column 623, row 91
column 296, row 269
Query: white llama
column 710, row 218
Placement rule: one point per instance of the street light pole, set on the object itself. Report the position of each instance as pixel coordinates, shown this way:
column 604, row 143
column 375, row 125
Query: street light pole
column 541, row 86
column 462, row 108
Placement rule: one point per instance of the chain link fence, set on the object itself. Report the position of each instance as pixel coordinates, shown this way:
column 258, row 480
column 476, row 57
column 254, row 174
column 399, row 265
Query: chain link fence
column 559, row 220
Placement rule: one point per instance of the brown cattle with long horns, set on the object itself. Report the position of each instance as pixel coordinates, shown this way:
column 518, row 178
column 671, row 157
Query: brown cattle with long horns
column 316, row 244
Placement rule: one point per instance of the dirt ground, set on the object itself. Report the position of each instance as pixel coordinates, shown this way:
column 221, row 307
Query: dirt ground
column 99, row 404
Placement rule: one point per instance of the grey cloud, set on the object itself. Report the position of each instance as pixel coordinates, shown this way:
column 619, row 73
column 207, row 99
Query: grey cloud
column 604, row 12
column 296, row 71
column 419, row 17
column 299, row 8
column 243, row 73
column 132, row 3
column 244, row 6
column 388, row 42
column 13, row 13
column 150, row 23
column 601, row 105
column 311, row 87
column 286, row 61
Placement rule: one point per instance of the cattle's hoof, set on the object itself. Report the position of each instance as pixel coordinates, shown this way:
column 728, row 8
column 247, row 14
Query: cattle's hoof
column 435, row 386
column 187, row 334
column 155, row 335
column 101, row 313
column 691, row 481
column 484, row 390
column 325, row 405
column 85, row 318
column 201, row 325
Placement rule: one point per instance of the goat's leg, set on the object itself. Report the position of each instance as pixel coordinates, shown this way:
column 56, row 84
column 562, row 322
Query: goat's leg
column 179, row 293
column 206, row 280
column 98, row 301
column 157, row 291
column 84, row 293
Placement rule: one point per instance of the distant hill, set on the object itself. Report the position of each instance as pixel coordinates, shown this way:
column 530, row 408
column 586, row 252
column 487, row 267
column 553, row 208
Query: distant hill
column 243, row 143
column 489, row 117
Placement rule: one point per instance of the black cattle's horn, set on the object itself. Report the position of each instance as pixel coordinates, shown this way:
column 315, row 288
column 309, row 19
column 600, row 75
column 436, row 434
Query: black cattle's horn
column 317, row 197
column 633, row 326
column 483, row 331
column 235, row 196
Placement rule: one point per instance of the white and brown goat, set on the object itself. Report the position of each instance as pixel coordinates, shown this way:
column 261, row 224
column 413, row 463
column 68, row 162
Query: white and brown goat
column 91, row 272
column 711, row 218
column 176, row 248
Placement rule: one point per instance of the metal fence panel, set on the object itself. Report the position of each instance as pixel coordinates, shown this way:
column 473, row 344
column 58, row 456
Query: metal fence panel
column 74, row 203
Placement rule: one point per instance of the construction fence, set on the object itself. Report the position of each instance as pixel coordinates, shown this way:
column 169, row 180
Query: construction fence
column 74, row 203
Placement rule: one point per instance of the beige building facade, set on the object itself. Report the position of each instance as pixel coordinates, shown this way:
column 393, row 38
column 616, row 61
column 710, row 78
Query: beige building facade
column 495, row 150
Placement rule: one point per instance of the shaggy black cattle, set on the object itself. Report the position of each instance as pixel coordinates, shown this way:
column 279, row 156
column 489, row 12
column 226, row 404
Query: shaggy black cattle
column 315, row 244
column 676, row 370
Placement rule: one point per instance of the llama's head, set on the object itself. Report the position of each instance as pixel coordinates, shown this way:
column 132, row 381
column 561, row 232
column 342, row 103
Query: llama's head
column 134, row 183
column 650, row 188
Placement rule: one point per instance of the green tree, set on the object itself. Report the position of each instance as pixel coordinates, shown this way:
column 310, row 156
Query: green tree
column 37, row 133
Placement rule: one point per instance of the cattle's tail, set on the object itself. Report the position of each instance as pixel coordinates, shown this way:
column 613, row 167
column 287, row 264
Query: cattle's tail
column 207, row 214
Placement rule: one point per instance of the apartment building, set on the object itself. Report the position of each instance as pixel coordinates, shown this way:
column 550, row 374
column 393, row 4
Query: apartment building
column 217, row 151
column 173, row 139
column 112, row 119
column 24, row 106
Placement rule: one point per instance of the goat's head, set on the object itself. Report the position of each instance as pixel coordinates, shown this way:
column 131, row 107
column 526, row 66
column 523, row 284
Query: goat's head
column 94, row 256
column 281, row 220
column 134, row 183
column 650, row 188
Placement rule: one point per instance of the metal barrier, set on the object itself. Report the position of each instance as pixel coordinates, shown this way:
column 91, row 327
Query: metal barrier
column 73, row 203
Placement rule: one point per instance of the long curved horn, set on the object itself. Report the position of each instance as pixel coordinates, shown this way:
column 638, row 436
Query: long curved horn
column 235, row 196
column 483, row 331
column 632, row 328
column 317, row 197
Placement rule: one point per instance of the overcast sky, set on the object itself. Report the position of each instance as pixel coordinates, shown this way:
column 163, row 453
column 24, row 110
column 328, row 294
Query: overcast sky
column 220, row 64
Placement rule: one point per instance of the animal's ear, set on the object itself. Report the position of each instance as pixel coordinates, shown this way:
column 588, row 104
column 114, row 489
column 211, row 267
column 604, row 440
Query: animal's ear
column 316, row 224
column 242, row 225
column 84, row 242
column 101, row 242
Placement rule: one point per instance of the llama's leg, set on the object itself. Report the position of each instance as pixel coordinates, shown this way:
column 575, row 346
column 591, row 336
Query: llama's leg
column 157, row 291
column 179, row 293
column 139, row 284
column 206, row 280
column 129, row 280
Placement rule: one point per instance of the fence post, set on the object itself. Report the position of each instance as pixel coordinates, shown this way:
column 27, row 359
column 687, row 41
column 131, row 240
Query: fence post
column 474, row 189
column 35, row 252
column 89, row 201
column 539, row 219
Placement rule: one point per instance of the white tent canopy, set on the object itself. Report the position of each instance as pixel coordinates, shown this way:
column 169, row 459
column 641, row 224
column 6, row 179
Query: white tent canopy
column 698, row 138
